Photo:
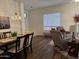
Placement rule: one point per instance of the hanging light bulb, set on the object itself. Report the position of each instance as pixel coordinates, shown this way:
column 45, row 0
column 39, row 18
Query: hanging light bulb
column 16, row 16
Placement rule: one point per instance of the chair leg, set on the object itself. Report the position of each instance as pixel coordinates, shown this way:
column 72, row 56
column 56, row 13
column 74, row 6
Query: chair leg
column 54, row 54
column 25, row 53
column 31, row 48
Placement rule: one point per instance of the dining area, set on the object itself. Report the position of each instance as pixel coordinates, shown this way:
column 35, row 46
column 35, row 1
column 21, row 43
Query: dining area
column 12, row 44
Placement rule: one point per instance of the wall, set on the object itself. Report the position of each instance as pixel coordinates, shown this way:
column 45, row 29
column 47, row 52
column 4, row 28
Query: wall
column 67, row 12
column 36, row 18
column 7, row 8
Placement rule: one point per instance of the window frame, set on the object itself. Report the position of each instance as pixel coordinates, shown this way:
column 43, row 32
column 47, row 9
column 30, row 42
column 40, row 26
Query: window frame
column 51, row 26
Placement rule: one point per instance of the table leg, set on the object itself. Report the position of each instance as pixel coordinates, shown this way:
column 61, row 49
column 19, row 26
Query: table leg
column 6, row 50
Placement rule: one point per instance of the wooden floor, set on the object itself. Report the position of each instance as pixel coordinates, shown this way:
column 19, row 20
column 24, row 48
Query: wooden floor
column 42, row 48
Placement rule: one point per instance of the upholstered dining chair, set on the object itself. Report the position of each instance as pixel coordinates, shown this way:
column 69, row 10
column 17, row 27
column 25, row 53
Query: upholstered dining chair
column 58, row 40
column 60, row 44
column 21, row 43
column 29, row 41
column 7, row 34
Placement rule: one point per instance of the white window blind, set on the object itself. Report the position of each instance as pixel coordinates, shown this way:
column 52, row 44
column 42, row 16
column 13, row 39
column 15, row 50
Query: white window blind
column 51, row 20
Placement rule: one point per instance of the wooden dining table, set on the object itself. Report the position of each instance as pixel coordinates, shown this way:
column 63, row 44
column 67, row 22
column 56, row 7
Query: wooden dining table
column 4, row 43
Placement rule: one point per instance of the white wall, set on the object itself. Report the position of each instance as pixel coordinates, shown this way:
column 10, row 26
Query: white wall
column 7, row 8
column 67, row 11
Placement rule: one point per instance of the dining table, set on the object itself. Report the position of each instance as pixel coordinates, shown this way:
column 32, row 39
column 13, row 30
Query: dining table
column 6, row 42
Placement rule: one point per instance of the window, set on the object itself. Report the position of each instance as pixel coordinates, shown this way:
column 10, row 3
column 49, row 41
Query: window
column 51, row 21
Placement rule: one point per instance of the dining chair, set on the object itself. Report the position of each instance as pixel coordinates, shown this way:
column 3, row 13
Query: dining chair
column 1, row 35
column 58, row 40
column 61, row 46
column 21, row 43
column 4, row 56
column 7, row 34
column 29, row 41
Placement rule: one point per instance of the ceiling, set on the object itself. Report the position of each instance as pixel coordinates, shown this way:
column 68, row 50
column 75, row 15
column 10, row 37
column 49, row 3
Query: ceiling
column 33, row 4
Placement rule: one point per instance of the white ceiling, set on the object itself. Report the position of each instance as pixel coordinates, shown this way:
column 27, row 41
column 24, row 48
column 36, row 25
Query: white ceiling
column 32, row 4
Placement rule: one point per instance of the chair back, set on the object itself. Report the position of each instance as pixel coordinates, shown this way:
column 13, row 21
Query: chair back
column 56, row 36
column 58, row 40
column 7, row 34
column 30, row 37
column 21, row 42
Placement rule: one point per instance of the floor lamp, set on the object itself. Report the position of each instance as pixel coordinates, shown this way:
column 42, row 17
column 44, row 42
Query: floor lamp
column 73, row 36
column 72, row 30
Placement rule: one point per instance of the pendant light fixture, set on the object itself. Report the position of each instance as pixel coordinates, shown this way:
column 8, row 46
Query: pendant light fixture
column 16, row 16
